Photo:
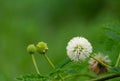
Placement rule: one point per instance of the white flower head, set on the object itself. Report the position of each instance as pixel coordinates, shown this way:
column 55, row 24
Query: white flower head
column 78, row 49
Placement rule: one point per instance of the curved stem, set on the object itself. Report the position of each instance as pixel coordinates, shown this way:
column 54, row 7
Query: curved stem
column 118, row 60
column 100, row 62
column 35, row 64
column 52, row 65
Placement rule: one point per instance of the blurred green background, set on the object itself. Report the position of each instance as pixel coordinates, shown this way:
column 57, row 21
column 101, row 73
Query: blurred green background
column 23, row 22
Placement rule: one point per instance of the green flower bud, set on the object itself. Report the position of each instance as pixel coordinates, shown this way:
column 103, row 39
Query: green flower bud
column 42, row 47
column 31, row 49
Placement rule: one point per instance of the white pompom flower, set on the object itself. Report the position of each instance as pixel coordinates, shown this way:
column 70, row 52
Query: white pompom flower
column 78, row 49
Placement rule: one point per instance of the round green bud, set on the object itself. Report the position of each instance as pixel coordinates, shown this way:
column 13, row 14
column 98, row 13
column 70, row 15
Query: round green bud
column 42, row 47
column 31, row 49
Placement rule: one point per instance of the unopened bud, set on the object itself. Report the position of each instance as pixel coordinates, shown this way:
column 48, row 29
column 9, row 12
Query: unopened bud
column 42, row 47
column 31, row 49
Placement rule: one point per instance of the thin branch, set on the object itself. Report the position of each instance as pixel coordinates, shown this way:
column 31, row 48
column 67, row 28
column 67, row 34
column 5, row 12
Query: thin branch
column 35, row 64
column 118, row 60
column 107, row 77
column 53, row 66
column 78, row 75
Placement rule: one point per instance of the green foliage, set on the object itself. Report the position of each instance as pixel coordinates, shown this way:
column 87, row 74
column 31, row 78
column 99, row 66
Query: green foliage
column 110, row 41
column 66, row 68
column 112, row 31
column 32, row 77
column 63, row 63
column 71, row 70
column 115, row 70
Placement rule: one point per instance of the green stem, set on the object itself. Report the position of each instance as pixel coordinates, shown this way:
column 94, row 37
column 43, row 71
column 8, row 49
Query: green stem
column 52, row 65
column 61, row 77
column 118, row 60
column 49, row 61
column 78, row 75
column 100, row 62
column 35, row 64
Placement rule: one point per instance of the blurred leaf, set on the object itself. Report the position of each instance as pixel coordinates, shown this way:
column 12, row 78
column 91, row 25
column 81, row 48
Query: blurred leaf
column 112, row 31
column 32, row 77
column 59, row 67
column 115, row 70
column 55, row 71
column 63, row 63
column 70, row 71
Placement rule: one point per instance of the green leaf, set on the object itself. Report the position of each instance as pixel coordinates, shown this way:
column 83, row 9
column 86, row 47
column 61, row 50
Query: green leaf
column 115, row 70
column 32, row 77
column 112, row 31
column 63, row 63
column 55, row 71
column 69, row 71
column 58, row 68
column 112, row 34
column 19, row 78
column 111, row 27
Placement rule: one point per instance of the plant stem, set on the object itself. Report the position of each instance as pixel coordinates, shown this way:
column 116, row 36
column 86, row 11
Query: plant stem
column 100, row 62
column 49, row 61
column 104, row 78
column 52, row 65
column 118, row 60
column 35, row 64
column 78, row 75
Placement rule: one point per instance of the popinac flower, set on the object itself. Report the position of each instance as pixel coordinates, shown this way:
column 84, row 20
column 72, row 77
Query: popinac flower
column 96, row 67
column 78, row 49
